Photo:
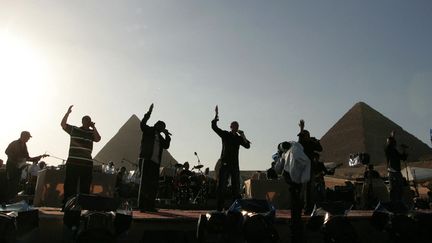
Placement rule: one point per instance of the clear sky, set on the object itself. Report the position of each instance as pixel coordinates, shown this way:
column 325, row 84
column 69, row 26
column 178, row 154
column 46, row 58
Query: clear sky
column 267, row 64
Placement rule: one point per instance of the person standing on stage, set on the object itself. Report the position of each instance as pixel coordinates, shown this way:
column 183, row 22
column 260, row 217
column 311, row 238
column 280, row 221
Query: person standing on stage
column 17, row 157
column 310, row 145
column 231, row 142
column 79, row 164
column 394, row 158
column 152, row 145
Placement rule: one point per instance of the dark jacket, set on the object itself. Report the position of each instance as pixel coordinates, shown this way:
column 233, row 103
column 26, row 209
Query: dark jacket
column 310, row 146
column 148, row 139
column 230, row 145
column 394, row 157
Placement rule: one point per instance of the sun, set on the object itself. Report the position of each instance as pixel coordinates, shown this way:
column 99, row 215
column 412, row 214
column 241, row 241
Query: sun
column 22, row 75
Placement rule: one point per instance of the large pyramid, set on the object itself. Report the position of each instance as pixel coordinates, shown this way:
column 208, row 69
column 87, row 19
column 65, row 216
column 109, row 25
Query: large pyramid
column 363, row 129
column 123, row 149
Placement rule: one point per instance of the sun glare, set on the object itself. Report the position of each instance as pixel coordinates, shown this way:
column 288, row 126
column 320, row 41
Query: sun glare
column 22, row 75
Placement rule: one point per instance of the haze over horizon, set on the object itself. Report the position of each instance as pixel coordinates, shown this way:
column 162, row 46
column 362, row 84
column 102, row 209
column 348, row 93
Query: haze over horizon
column 267, row 65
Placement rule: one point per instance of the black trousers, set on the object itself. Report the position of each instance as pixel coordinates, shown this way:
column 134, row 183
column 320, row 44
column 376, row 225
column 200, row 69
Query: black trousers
column 225, row 172
column 296, row 209
column 13, row 176
column 3, row 187
column 396, row 186
column 149, row 184
column 75, row 174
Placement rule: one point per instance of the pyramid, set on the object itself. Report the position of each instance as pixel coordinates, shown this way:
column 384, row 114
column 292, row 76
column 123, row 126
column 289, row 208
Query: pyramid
column 363, row 129
column 123, row 149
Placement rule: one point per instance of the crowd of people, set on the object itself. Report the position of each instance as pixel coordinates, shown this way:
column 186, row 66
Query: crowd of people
column 156, row 138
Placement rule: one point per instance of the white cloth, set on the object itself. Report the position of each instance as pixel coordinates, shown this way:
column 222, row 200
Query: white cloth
column 296, row 163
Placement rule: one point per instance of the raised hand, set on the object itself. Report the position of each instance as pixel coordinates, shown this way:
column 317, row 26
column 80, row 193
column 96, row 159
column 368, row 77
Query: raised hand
column 216, row 112
column 301, row 124
column 151, row 108
column 70, row 109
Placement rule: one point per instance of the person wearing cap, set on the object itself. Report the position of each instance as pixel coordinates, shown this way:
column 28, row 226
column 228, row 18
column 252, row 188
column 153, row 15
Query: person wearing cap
column 229, row 167
column 79, row 164
column 310, row 146
column 152, row 145
column 18, row 155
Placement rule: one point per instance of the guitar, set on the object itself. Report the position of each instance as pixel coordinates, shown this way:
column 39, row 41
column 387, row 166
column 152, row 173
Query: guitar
column 23, row 163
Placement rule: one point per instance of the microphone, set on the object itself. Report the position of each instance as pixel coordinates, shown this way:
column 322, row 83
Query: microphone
column 197, row 157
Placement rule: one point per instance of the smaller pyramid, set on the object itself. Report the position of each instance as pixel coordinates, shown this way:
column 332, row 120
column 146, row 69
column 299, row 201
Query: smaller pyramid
column 363, row 129
column 123, row 149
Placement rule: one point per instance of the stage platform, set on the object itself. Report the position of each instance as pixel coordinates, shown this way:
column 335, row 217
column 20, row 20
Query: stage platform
column 169, row 225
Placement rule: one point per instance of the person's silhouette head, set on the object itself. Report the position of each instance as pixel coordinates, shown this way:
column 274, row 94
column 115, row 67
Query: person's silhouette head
column 25, row 136
column 160, row 126
column 234, row 126
column 304, row 135
column 186, row 165
column 391, row 141
column 86, row 121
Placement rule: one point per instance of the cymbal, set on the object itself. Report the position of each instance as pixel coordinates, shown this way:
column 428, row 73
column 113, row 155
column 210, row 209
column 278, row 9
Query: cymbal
column 178, row 165
column 198, row 166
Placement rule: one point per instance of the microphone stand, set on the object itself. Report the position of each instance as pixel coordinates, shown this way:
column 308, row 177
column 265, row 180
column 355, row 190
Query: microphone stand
column 199, row 162
column 198, row 158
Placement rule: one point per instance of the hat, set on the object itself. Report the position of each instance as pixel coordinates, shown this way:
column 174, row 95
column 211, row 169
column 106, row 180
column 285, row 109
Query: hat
column 26, row 133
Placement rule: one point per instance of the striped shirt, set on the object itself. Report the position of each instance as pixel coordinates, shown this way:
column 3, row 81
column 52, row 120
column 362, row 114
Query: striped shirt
column 81, row 145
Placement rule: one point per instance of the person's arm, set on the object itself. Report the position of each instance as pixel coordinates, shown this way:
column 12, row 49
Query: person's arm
column 63, row 123
column 11, row 150
column 146, row 117
column 244, row 142
column 96, row 135
column 301, row 125
column 35, row 159
column 167, row 141
column 214, row 125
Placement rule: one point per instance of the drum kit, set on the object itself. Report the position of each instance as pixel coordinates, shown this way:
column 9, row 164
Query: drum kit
column 190, row 186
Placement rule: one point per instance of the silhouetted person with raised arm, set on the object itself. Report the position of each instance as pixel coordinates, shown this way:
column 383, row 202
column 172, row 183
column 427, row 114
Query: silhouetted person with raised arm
column 18, row 155
column 310, row 145
column 394, row 158
column 152, row 145
column 231, row 142
column 79, row 164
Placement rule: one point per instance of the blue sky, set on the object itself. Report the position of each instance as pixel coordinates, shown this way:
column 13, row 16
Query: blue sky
column 267, row 64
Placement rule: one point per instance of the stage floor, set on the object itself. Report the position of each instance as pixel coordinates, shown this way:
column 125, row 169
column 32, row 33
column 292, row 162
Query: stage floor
column 190, row 215
column 179, row 226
